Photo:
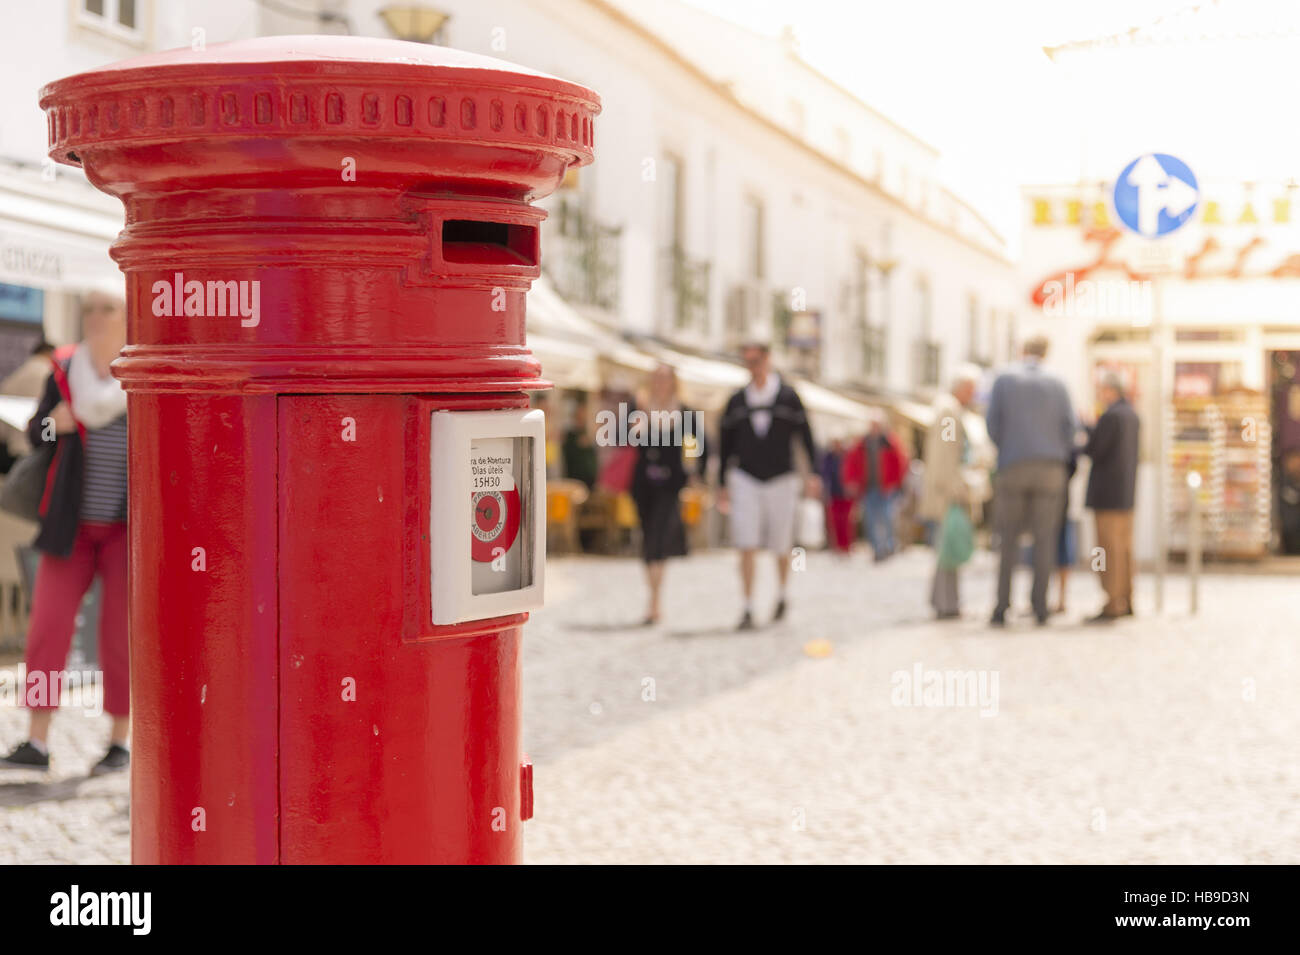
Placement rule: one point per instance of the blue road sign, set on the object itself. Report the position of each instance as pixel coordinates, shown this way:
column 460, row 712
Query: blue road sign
column 1155, row 195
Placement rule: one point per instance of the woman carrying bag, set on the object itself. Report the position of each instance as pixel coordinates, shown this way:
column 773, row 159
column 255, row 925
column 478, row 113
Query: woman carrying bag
column 658, row 477
column 82, row 515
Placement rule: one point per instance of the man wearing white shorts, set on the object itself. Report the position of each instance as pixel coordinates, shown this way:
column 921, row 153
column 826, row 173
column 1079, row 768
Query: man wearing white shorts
column 761, row 489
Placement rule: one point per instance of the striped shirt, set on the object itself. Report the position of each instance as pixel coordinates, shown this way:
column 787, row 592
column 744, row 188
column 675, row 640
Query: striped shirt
column 103, row 496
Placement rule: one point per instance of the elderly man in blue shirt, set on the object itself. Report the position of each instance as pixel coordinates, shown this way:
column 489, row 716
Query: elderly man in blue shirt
column 1032, row 422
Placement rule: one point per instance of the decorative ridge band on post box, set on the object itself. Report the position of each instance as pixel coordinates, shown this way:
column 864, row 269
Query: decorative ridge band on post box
column 401, row 174
column 288, row 87
column 337, row 489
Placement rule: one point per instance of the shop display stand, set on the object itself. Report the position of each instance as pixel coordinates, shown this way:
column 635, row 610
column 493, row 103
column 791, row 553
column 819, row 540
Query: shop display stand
column 1226, row 438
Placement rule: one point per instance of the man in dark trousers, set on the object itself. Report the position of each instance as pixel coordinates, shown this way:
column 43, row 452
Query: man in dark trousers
column 1032, row 422
column 1113, row 447
column 761, row 487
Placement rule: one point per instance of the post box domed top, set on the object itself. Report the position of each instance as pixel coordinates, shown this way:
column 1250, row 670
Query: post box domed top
column 313, row 87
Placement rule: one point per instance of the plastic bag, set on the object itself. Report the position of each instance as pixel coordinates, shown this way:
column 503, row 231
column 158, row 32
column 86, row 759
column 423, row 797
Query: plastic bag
column 811, row 526
column 956, row 538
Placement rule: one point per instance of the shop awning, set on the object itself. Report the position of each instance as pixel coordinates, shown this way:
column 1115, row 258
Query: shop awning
column 833, row 415
column 705, row 384
column 921, row 415
column 575, row 351
column 55, row 236
column 567, row 364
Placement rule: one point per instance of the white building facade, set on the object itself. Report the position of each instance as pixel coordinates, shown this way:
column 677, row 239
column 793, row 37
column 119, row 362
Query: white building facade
column 737, row 193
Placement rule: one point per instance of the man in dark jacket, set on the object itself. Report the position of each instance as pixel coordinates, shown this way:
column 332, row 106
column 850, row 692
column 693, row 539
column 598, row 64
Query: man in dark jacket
column 761, row 486
column 1113, row 447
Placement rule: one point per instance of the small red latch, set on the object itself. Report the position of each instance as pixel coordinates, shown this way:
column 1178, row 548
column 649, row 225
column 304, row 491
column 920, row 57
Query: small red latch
column 526, row 789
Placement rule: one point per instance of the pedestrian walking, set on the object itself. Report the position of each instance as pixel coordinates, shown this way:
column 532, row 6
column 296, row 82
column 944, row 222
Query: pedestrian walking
column 761, row 491
column 1031, row 420
column 945, row 486
column 839, row 505
column 1288, row 502
column 660, row 474
column 26, row 381
column 1112, row 484
column 82, row 532
column 1067, row 539
column 578, row 448
column 873, row 473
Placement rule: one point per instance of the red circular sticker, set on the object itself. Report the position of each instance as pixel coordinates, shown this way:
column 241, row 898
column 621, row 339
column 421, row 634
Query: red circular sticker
column 495, row 523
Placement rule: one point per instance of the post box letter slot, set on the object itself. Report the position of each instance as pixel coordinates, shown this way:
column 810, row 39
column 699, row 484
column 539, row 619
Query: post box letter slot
column 470, row 241
column 487, row 513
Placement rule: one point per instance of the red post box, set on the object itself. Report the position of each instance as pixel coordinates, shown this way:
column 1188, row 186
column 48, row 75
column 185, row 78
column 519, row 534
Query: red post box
column 336, row 489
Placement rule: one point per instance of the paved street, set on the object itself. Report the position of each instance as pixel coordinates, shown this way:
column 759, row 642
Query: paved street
column 1148, row 741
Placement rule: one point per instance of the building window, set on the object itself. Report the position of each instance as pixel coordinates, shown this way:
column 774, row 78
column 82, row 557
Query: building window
column 798, row 117
column 685, row 285
column 415, row 22
column 745, row 305
column 926, row 354
column 119, row 17
column 871, row 337
column 782, row 318
column 860, row 288
column 670, row 200
column 843, row 145
column 972, row 328
column 752, row 237
column 684, row 282
column 923, row 308
column 583, row 254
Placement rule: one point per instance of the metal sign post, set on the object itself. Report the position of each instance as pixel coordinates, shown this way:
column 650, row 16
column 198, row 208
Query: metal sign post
column 1154, row 196
column 1162, row 438
column 1194, row 537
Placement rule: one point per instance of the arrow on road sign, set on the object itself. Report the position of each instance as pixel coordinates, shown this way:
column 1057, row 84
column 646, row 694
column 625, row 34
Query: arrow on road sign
column 1158, row 192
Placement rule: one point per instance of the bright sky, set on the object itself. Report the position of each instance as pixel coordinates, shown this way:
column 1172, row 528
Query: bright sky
column 970, row 77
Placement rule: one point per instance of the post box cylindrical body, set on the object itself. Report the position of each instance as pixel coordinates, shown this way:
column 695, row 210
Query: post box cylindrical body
column 328, row 243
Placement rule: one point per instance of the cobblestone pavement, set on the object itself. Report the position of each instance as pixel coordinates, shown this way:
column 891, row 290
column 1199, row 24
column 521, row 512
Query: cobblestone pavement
column 1165, row 739
column 63, row 815
column 1145, row 741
